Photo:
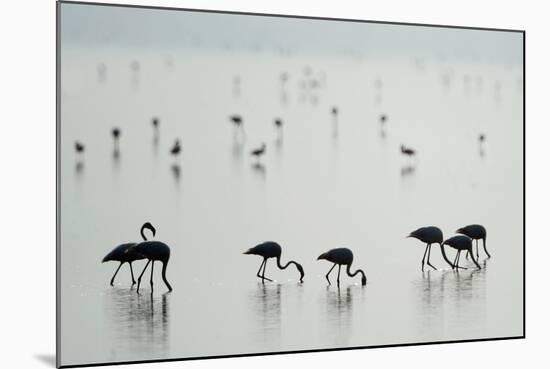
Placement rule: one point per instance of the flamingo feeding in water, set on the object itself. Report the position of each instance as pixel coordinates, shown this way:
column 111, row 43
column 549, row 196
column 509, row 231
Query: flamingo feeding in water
column 342, row 256
column 475, row 232
column 153, row 251
column 460, row 243
column 270, row 249
column 430, row 235
column 122, row 255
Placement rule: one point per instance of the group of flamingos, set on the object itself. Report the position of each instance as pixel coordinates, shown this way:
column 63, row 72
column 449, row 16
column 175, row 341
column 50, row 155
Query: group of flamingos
column 159, row 251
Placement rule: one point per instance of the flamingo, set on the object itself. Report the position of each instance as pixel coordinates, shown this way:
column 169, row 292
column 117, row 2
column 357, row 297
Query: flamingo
column 430, row 235
column 121, row 254
column 176, row 148
column 153, row 251
column 116, row 135
column 259, row 151
column 237, row 120
column 270, row 249
column 407, row 151
column 460, row 243
column 79, row 147
column 476, row 232
column 342, row 256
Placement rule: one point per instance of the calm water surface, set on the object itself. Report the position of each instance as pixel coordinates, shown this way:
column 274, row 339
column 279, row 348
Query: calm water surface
column 322, row 184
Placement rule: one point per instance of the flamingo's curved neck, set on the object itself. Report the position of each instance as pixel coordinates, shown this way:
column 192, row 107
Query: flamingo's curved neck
column 445, row 256
column 348, row 270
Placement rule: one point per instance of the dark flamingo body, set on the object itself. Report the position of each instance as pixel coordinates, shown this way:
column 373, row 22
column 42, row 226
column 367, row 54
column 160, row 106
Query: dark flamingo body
column 153, row 251
column 270, row 249
column 125, row 253
column 476, row 232
column 461, row 243
column 430, row 235
column 342, row 256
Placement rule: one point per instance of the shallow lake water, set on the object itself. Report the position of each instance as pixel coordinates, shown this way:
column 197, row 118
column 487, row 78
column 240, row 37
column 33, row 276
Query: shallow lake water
column 323, row 183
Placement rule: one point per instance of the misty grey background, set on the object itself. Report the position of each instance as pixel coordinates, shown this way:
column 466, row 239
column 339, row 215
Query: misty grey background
column 317, row 189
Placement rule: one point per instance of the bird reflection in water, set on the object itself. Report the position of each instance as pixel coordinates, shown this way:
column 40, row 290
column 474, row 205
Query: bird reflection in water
column 259, row 169
column 266, row 304
column 176, row 171
column 451, row 294
column 115, row 156
column 407, row 170
column 431, row 290
column 140, row 323
column 79, row 167
column 339, row 303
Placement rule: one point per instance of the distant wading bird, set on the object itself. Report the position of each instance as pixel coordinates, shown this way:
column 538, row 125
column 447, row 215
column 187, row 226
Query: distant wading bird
column 237, row 121
column 116, row 135
column 153, row 251
column 460, row 243
column 430, row 235
column 176, row 148
column 268, row 250
column 122, row 255
column 79, row 147
column 342, row 256
column 258, row 152
column 476, row 232
column 407, row 151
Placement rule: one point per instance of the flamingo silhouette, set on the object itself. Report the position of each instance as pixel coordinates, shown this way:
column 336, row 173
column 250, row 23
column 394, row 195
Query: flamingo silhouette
column 476, row 232
column 153, row 251
column 79, row 147
column 460, row 243
column 259, row 151
column 407, row 151
column 342, row 256
column 122, row 254
column 176, row 148
column 430, row 235
column 270, row 249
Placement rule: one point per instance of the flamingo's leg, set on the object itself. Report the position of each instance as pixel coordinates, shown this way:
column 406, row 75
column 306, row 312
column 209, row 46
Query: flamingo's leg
column 152, row 267
column 329, row 273
column 458, row 260
column 259, row 270
column 132, row 273
column 141, row 275
column 455, row 260
column 338, row 279
column 477, row 250
column 424, row 257
column 114, row 275
column 263, row 274
column 429, row 252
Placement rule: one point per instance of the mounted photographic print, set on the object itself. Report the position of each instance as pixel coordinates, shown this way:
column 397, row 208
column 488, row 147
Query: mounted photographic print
column 238, row 184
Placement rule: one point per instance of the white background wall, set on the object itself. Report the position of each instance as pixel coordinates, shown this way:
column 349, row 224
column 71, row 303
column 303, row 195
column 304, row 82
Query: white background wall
column 27, row 195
